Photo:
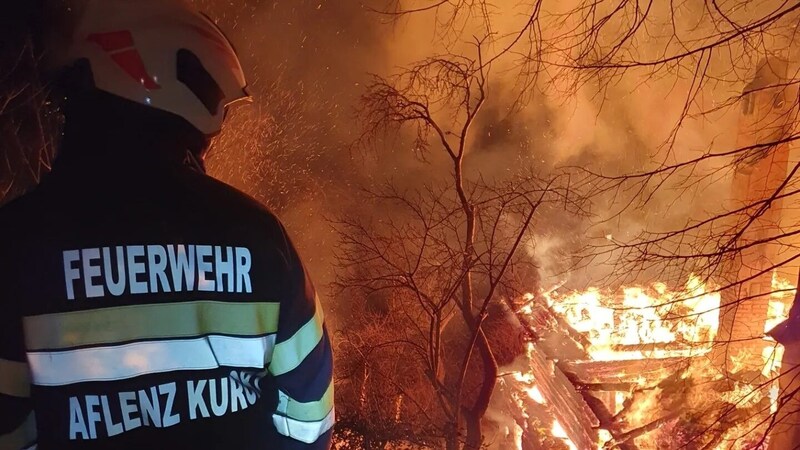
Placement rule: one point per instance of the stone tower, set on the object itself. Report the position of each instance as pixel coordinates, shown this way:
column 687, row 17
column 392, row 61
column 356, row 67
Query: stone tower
column 764, row 120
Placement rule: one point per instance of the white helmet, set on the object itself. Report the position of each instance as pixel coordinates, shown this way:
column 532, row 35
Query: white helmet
column 160, row 53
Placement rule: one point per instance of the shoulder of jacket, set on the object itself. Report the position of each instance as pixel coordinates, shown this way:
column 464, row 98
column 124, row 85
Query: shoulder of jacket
column 244, row 206
column 238, row 199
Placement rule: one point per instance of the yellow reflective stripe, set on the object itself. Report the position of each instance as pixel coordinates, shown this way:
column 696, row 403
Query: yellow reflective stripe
column 23, row 436
column 307, row 412
column 291, row 352
column 15, row 378
column 152, row 321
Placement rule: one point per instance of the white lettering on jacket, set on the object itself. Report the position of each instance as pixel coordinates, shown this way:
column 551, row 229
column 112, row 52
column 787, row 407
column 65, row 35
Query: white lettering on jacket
column 150, row 269
column 96, row 416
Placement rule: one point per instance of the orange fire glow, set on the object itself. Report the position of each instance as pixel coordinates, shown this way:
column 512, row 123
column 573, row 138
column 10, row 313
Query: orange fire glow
column 558, row 432
column 615, row 324
column 654, row 321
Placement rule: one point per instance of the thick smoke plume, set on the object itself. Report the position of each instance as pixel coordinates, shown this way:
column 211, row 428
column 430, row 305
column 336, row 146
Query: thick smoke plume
column 308, row 62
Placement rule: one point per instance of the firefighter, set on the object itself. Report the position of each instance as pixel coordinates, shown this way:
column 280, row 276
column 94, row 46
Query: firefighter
column 145, row 304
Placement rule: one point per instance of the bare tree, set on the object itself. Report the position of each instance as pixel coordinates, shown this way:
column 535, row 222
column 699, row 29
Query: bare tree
column 27, row 124
column 449, row 251
column 743, row 55
column 739, row 242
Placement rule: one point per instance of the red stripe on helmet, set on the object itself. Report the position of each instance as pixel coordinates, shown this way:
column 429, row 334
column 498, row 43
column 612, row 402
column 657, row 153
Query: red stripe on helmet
column 131, row 62
column 115, row 40
column 119, row 45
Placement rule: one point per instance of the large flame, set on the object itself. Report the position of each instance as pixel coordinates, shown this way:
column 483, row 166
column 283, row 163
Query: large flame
column 618, row 325
column 780, row 301
column 654, row 321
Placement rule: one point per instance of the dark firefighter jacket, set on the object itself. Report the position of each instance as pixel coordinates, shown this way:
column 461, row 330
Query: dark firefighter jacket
column 156, row 308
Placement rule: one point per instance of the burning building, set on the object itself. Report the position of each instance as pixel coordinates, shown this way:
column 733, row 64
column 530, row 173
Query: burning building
column 663, row 367
column 760, row 176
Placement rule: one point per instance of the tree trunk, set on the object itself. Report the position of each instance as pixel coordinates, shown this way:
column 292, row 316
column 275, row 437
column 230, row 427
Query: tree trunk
column 474, row 431
column 452, row 442
column 475, row 415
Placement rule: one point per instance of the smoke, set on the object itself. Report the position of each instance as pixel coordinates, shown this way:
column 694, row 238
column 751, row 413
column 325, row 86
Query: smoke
column 308, row 62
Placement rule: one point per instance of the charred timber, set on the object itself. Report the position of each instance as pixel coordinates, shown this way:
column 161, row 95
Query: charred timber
column 542, row 319
column 636, row 432
column 659, row 347
column 608, row 421
column 623, row 373
column 572, row 412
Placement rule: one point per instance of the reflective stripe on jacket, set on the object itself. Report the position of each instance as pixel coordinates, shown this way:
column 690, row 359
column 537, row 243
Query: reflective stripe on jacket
column 158, row 307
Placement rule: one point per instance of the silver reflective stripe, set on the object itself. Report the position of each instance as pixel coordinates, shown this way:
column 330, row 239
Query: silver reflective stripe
column 119, row 362
column 32, row 447
column 307, row 432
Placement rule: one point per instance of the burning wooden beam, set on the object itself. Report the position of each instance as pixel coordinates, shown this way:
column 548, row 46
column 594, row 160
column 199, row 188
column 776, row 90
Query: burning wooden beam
column 566, row 404
column 635, row 371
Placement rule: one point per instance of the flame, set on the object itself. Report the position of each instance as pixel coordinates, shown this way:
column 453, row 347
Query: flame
column 780, row 299
column 641, row 410
column 774, row 396
column 739, row 361
column 517, row 436
column 536, row 395
column 527, row 385
column 558, row 432
column 604, row 436
column 619, row 400
column 743, row 395
column 642, row 315
column 654, row 321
